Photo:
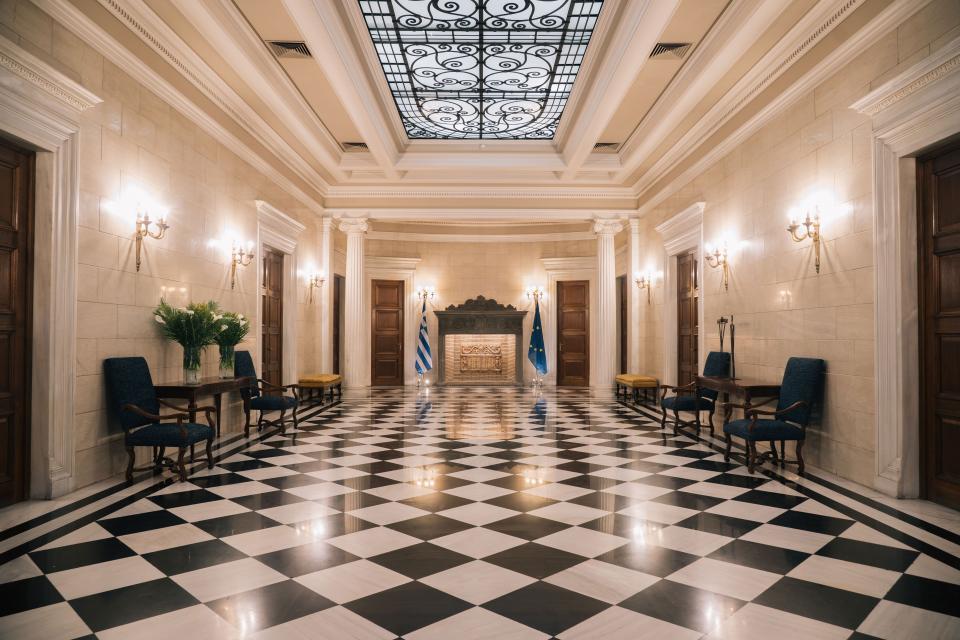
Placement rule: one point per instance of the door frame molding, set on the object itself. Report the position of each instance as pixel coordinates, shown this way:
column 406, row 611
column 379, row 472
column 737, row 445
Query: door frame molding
column 911, row 112
column 386, row 268
column 42, row 107
column 279, row 231
column 558, row 269
column 681, row 233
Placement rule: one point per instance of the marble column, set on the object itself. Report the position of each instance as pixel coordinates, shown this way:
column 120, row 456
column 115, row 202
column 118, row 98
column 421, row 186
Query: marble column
column 637, row 298
column 606, row 341
column 325, row 295
column 356, row 341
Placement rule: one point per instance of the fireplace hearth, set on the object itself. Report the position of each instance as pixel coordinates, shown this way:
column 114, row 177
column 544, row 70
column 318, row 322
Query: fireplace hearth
column 480, row 343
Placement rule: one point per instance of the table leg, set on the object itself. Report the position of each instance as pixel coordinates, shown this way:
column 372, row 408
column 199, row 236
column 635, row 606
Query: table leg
column 192, row 409
column 216, row 405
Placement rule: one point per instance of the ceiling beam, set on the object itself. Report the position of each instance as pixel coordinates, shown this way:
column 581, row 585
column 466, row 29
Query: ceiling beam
column 627, row 50
column 328, row 39
column 224, row 26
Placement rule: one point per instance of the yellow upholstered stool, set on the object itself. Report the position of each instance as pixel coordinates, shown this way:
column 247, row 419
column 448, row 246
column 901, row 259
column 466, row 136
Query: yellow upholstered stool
column 636, row 382
column 324, row 382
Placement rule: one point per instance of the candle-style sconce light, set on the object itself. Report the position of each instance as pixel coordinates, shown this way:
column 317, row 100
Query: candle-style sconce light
column 239, row 258
column 808, row 228
column 645, row 281
column 147, row 228
column 535, row 293
column 717, row 259
column 315, row 282
column 426, row 293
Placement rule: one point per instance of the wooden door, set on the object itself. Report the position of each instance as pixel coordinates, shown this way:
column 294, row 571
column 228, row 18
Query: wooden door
column 687, row 329
column 939, row 286
column 573, row 333
column 338, row 283
column 16, row 263
column 622, row 323
column 386, row 351
column 272, row 317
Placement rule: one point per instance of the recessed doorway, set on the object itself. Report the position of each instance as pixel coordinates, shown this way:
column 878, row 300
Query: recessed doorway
column 573, row 333
column 272, row 316
column 386, row 353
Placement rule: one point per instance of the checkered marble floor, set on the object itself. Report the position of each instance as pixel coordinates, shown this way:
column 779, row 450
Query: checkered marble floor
column 478, row 513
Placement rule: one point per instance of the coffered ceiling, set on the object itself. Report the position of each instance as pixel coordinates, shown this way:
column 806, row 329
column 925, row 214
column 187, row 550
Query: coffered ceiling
column 299, row 83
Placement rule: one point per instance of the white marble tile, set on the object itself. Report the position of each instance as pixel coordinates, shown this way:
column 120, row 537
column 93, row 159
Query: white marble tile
column 352, row 580
column 297, row 512
column 617, row 623
column 602, row 580
column 584, row 542
column 476, row 624
column 164, row 538
column 103, row 576
column 54, row 622
column 372, row 542
column 726, row 578
column 851, row 576
column 335, row 623
column 478, row 581
column 756, row 622
column 207, row 510
column 259, row 541
column 18, row 569
column 228, row 578
column 477, row 542
column 787, row 537
column 895, row 621
column 193, row 623
column 388, row 513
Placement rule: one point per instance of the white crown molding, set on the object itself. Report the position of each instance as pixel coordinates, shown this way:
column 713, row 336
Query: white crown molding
column 164, row 41
column 769, row 69
column 401, row 236
column 26, row 66
column 68, row 15
column 537, row 193
column 584, row 263
column 681, row 224
column 736, row 30
column 281, row 227
column 391, row 264
column 222, row 23
column 486, row 215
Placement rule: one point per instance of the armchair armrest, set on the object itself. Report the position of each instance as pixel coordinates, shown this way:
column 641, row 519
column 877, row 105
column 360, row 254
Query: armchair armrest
column 180, row 417
column 687, row 388
column 795, row 405
column 184, row 409
column 269, row 386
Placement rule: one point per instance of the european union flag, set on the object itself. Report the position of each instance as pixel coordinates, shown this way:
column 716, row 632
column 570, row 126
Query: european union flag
column 537, row 353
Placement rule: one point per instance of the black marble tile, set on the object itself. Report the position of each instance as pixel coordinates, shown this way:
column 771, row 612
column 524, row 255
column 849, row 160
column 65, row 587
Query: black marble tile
column 307, row 558
column 817, row 601
column 420, row 560
column 408, row 607
column 244, row 465
column 527, row 526
column 683, row 605
column 737, row 480
column 760, row 556
column 193, row 556
column 334, row 525
column 129, row 604
column 290, row 482
column 721, row 525
column 657, row 561
column 546, row 607
column 535, row 560
column 770, row 499
column 688, row 500
column 520, row 501
column 436, row 501
column 140, row 522
column 80, row 555
column 267, row 500
column 620, row 525
column 183, row 498
column 924, row 593
column 269, row 606
column 667, row 482
column 350, row 501
column 590, row 482
column 29, row 593
column 235, row 524
column 875, row 555
column 430, row 527
column 812, row 522
column 218, row 480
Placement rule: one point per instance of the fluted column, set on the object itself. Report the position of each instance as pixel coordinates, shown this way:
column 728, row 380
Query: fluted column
column 637, row 299
column 355, row 339
column 607, row 300
column 326, row 295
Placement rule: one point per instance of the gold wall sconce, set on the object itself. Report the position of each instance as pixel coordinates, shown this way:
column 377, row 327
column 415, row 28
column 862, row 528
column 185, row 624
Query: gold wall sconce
column 426, row 293
column 645, row 281
column 239, row 258
column 809, row 228
column 717, row 259
column 315, row 282
column 535, row 293
column 147, row 228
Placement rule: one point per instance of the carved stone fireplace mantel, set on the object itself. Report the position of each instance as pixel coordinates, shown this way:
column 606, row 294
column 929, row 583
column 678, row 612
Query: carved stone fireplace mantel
column 483, row 360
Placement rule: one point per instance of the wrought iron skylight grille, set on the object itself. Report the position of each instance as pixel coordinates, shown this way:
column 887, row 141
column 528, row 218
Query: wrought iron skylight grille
column 470, row 69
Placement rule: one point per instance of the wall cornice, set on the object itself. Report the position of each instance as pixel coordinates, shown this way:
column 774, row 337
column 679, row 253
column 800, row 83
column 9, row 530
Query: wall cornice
column 28, row 67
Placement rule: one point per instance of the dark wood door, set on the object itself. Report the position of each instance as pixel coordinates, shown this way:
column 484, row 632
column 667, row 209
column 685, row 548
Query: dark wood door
column 939, row 287
column 272, row 317
column 687, row 329
column 338, row 284
column 386, row 352
column 622, row 323
column 16, row 243
column 573, row 333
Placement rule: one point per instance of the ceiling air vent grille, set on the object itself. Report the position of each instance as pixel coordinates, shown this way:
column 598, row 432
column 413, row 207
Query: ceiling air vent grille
column 289, row 48
column 606, row 147
column 355, row 146
column 671, row 50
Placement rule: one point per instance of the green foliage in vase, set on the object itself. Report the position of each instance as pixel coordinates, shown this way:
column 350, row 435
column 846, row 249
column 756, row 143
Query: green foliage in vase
column 190, row 326
column 230, row 328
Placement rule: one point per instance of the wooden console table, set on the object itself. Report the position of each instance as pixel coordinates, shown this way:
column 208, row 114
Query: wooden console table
column 214, row 386
column 740, row 387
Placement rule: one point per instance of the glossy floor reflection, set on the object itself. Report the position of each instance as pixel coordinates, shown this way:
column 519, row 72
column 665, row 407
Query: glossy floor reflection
column 482, row 513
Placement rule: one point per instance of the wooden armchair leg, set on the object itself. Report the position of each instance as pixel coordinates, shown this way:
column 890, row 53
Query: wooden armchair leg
column 751, row 455
column 676, row 421
column 696, row 420
column 180, row 466
column 130, row 458
column 783, row 453
column 210, row 453
column 283, row 421
column 663, row 419
column 712, row 433
column 800, row 457
column 193, row 456
column 726, row 454
column 246, row 425
column 773, row 452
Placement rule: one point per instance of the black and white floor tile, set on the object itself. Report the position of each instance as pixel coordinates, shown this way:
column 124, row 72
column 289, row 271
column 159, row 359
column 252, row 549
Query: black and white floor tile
column 480, row 513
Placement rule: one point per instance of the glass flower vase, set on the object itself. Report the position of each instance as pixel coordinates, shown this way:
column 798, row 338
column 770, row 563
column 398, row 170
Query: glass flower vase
column 191, row 364
column 226, row 361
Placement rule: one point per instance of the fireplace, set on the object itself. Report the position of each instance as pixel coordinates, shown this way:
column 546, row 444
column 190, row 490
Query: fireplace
column 480, row 343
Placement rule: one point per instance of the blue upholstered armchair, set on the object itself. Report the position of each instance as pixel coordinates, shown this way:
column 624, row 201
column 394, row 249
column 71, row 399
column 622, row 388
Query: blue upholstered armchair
column 135, row 405
column 263, row 396
column 690, row 398
column 801, row 386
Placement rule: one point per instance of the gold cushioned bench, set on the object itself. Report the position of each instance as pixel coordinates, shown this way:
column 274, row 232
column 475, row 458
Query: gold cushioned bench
column 324, row 382
column 636, row 382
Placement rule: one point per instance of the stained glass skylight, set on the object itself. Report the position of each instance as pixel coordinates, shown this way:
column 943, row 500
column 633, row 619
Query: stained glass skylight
column 472, row 69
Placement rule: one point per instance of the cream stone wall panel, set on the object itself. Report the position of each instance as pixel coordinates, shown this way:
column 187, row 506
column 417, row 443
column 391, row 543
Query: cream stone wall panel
column 96, row 320
column 927, row 25
column 33, row 25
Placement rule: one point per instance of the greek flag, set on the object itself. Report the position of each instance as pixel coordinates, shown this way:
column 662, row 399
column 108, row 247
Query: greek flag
column 537, row 353
column 424, row 361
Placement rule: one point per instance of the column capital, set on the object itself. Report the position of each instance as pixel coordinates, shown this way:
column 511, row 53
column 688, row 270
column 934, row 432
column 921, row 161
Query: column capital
column 607, row 226
column 326, row 222
column 351, row 226
column 634, row 224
